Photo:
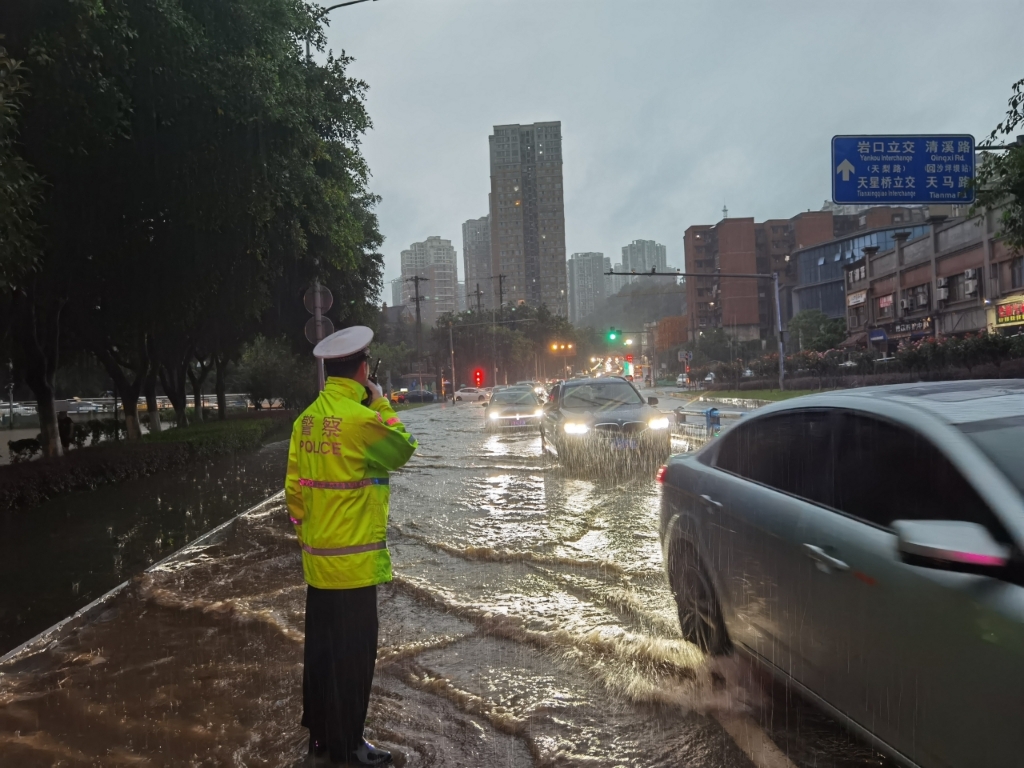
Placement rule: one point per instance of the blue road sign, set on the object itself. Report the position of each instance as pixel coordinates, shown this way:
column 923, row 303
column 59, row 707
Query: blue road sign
column 902, row 170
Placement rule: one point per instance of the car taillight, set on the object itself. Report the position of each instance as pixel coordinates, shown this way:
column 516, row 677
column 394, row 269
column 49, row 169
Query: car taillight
column 660, row 476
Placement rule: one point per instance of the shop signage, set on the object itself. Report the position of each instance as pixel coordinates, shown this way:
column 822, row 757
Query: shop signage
column 912, row 328
column 878, row 334
column 885, row 302
column 856, row 298
column 1010, row 313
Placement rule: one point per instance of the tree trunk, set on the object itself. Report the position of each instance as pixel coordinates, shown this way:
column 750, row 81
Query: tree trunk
column 36, row 346
column 222, row 398
column 197, row 380
column 128, row 389
column 152, row 407
column 173, row 381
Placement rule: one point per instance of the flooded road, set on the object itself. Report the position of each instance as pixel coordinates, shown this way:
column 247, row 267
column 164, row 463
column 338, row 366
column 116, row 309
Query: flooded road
column 529, row 624
column 61, row 555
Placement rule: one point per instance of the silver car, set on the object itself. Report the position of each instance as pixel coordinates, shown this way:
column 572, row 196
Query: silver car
column 866, row 547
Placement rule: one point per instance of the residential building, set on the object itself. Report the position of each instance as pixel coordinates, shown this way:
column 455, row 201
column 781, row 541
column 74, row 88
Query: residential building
column 435, row 260
column 460, row 296
column 396, row 292
column 476, row 255
column 615, row 283
column 527, row 215
column 642, row 256
column 745, row 307
column 586, row 282
column 952, row 277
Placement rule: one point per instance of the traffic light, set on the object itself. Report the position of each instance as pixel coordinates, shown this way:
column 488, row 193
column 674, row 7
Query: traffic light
column 629, row 358
column 478, row 377
column 614, row 334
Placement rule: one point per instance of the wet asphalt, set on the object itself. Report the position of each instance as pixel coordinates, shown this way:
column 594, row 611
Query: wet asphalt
column 529, row 624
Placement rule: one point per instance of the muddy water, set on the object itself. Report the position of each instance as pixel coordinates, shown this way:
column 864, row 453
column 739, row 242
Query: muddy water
column 529, row 624
column 61, row 555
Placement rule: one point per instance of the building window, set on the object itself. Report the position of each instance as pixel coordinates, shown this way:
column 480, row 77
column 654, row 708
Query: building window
column 883, row 306
column 957, row 291
column 1017, row 272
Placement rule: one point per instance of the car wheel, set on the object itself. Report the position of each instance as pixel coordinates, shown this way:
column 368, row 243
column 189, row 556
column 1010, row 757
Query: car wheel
column 481, row 398
column 458, row 398
column 700, row 614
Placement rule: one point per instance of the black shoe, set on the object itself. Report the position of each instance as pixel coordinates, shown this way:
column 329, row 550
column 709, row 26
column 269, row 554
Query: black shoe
column 367, row 754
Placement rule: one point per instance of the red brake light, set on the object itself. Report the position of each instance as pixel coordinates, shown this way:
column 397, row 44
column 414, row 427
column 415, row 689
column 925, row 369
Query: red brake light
column 660, row 476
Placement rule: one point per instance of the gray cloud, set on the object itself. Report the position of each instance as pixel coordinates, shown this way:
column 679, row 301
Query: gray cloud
column 669, row 108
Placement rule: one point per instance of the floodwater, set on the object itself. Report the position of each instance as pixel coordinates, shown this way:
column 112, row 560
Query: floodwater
column 529, row 624
column 62, row 555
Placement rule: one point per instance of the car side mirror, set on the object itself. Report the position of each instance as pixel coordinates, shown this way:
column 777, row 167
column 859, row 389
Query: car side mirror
column 652, row 401
column 949, row 545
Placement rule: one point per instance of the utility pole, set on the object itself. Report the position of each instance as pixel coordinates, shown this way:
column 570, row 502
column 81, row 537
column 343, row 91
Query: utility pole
column 778, row 329
column 501, row 293
column 479, row 293
column 325, row 11
column 416, row 280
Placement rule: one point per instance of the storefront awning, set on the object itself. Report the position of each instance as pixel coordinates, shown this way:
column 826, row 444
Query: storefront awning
column 859, row 339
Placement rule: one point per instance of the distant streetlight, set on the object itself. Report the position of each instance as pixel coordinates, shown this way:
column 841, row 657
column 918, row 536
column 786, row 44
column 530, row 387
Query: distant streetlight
column 328, row 9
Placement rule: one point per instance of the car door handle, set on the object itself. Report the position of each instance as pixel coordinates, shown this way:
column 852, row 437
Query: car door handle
column 710, row 502
column 824, row 559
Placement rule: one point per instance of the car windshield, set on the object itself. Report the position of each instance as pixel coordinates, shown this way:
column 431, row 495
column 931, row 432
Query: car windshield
column 514, row 398
column 600, row 394
column 1001, row 440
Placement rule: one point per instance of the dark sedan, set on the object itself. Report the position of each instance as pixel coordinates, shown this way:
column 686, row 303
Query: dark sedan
column 513, row 408
column 604, row 420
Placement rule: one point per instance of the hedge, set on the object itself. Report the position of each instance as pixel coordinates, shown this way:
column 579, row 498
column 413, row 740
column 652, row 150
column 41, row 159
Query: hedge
column 32, row 483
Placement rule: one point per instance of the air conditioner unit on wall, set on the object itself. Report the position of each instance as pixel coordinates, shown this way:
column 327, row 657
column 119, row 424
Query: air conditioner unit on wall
column 942, row 294
column 970, row 274
column 970, row 286
column 906, row 304
column 942, row 282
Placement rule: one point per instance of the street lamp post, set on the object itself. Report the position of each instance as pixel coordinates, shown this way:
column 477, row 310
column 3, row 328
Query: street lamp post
column 328, row 9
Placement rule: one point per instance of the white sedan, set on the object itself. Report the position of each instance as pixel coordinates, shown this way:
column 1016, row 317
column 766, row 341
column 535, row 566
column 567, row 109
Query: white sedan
column 470, row 393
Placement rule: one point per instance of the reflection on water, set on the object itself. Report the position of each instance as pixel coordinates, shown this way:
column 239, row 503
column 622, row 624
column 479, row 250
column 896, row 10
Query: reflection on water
column 59, row 556
column 529, row 624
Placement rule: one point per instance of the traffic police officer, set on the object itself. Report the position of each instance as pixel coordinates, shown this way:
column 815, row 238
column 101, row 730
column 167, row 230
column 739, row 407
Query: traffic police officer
column 337, row 493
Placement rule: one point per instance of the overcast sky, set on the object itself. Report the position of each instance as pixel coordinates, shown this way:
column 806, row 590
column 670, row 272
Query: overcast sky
column 670, row 109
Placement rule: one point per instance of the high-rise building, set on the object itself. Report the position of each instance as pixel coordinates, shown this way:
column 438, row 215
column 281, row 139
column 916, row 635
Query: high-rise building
column 435, row 260
column 527, row 215
column 615, row 283
column 460, row 297
column 396, row 292
column 586, row 284
column 642, row 255
column 476, row 255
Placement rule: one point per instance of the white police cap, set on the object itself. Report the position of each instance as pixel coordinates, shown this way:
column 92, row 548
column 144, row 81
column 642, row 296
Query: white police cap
column 344, row 343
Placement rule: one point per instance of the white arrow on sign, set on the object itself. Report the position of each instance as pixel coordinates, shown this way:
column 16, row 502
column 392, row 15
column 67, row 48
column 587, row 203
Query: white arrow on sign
column 846, row 168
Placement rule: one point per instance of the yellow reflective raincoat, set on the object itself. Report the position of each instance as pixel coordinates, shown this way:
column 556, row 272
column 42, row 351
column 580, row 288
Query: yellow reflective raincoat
column 337, row 485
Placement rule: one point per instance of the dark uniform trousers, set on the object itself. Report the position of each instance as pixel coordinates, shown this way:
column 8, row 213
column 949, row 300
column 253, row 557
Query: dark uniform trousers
column 340, row 654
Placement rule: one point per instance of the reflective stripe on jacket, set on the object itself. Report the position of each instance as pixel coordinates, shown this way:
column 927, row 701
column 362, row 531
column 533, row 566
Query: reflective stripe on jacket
column 337, row 485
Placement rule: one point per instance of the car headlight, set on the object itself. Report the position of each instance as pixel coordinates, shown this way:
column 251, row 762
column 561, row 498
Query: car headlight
column 539, row 412
column 494, row 415
column 659, row 423
column 573, row 428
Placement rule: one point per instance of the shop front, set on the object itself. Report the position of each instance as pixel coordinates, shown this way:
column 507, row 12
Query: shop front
column 1007, row 316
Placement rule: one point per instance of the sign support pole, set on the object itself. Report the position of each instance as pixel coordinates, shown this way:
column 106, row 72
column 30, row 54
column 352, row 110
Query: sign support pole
column 318, row 319
column 778, row 328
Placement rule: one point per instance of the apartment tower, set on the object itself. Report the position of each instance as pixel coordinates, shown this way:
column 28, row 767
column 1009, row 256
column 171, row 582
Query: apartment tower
column 586, row 284
column 435, row 260
column 528, row 216
column 476, row 255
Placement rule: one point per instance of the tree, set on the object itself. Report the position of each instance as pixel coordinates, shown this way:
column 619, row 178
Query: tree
column 1000, row 176
column 812, row 329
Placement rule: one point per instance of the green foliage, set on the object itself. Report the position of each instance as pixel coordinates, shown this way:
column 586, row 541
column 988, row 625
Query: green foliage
column 20, row 186
column 217, row 437
column 999, row 182
column 269, row 370
column 813, row 329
